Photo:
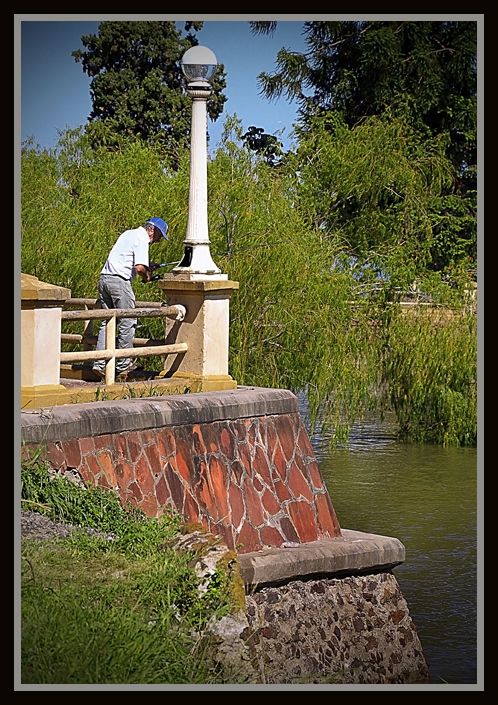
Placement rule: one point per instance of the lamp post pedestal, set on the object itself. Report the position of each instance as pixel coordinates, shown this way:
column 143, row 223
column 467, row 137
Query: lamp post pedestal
column 205, row 329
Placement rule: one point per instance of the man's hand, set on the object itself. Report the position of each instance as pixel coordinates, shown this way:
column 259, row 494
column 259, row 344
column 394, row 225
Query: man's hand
column 143, row 272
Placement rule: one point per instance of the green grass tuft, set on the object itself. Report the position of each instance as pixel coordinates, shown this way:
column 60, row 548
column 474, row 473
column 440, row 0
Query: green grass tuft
column 116, row 607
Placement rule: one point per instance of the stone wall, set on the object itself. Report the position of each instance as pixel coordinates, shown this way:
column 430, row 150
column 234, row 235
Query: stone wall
column 349, row 630
column 239, row 462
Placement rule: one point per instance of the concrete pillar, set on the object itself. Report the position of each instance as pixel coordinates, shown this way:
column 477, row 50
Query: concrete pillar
column 205, row 330
column 41, row 307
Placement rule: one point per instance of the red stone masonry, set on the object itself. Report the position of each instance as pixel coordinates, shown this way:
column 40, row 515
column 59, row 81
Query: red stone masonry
column 253, row 480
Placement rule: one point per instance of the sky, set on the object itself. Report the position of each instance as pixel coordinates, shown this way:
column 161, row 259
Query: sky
column 55, row 92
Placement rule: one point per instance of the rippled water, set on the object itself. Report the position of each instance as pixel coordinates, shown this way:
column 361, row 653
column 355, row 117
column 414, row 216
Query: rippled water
column 426, row 496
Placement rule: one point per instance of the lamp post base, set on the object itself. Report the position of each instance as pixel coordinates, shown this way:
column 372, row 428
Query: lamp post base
column 197, row 261
column 188, row 275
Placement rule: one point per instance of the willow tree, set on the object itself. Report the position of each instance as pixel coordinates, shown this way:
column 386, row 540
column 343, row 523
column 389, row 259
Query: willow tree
column 424, row 72
column 378, row 187
column 292, row 322
column 137, row 86
column 289, row 307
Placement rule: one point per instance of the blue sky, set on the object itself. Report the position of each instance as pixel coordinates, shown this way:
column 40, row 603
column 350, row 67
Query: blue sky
column 55, row 91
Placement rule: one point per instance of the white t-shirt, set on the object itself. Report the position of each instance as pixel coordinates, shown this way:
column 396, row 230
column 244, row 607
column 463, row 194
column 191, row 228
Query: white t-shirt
column 131, row 248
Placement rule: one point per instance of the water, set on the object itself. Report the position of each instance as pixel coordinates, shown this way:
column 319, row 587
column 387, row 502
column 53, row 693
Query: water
column 426, row 496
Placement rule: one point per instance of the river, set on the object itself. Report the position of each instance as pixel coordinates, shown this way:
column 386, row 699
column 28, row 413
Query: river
column 426, row 496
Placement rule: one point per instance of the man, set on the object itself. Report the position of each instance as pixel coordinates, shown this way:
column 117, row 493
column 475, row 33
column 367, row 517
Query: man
column 128, row 257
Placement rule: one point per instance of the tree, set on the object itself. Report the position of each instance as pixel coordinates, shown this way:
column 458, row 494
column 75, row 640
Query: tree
column 294, row 324
column 137, row 86
column 361, row 68
column 377, row 186
column 268, row 146
column 422, row 72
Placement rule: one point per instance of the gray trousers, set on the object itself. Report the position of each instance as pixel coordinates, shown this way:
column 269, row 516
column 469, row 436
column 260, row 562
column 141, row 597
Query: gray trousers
column 115, row 292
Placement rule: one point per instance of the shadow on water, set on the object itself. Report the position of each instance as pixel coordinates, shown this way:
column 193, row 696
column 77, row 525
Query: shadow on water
column 426, row 496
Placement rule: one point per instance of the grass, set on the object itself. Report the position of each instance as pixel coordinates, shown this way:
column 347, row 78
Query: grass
column 121, row 607
column 93, row 616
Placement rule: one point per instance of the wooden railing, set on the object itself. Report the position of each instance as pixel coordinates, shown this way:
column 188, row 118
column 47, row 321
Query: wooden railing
column 110, row 353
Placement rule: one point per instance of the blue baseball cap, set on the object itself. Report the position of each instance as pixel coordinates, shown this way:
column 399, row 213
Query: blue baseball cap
column 160, row 225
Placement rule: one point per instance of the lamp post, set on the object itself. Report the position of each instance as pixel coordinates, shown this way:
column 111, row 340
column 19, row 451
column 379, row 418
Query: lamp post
column 196, row 282
column 198, row 65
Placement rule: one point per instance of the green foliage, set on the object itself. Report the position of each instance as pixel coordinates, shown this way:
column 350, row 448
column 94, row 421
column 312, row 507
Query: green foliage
column 137, row 86
column 430, row 367
column 360, row 68
column 91, row 198
column 422, row 73
column 117, row 606
column 268, row 146
column 454, row 234
column 95, row 616
column 93, row 507
column 291, row 322
column 380, row 186
column 72, row 635
column 300, row 319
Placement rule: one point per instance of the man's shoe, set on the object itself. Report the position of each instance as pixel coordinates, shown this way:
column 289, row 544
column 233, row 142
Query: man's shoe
column 127, row 370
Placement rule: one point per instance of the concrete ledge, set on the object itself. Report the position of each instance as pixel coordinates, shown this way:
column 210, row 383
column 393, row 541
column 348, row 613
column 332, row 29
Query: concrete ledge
column 40, row 294
column 70, row 421
column 175, row 282
column 351, row 553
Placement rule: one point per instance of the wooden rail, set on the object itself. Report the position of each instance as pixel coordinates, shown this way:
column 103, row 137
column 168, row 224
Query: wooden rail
column 92, row 339
column 108, row 354
column 108, row 313
column 93, row 303
column 111, row 353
